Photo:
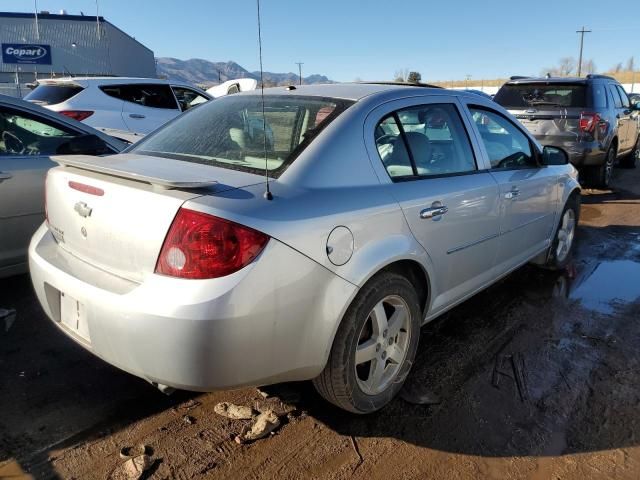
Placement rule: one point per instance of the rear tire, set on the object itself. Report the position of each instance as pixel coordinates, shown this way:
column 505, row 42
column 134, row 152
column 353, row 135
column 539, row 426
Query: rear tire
column 561, row 248
column 630, row 160
column 374, row 347
column 602, row 174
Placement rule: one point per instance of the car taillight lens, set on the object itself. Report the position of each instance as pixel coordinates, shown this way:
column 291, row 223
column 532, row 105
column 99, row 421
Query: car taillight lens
column 78, row 115
column 589, row 121
column 199, row 245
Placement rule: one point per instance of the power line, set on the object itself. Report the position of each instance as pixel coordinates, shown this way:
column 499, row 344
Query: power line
column 581, row 32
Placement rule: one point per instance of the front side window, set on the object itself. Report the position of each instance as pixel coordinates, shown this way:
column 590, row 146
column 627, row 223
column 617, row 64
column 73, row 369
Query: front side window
column 423, row 141
column 153, row 95
column 507, row 146
column 617, row 101
column 22, row 134
column 231, row 132
column 187, row 98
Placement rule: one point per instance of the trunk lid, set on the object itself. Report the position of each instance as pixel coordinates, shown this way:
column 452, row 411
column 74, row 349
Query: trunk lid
column 114, row 212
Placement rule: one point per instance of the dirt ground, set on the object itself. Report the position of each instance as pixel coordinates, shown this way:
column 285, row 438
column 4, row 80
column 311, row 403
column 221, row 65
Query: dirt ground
column 536, row 378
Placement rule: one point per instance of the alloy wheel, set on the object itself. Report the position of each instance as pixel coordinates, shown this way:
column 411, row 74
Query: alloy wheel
column 382, row 344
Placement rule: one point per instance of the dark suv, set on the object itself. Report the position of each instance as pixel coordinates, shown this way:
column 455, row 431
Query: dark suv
column 591, row 118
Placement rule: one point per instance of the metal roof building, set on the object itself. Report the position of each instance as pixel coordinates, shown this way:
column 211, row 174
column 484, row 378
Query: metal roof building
column 47, row 45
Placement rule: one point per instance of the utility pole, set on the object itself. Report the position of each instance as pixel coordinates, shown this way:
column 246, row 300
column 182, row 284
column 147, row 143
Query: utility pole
column 581, row 32
column 35, row 5
column 466, row 81
column 300, row 70
column 97, row 19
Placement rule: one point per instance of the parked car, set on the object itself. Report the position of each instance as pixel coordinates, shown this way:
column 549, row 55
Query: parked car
column 137, row 105
column 180, row 262
column 29, row 135
column 232, row 86
column 591, row 117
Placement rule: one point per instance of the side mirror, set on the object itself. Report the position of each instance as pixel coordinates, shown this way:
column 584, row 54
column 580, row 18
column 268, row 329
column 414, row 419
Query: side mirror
column 554, row 156
column 83, row 145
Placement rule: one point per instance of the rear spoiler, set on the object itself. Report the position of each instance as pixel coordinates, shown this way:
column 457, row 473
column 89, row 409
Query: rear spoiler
column 161, row 172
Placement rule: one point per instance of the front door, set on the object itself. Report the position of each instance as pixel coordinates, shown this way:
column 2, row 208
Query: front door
column 450, row 203
column 527, row 195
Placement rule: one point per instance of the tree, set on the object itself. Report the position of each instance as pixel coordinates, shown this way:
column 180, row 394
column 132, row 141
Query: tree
column 589, row 66
column 414, row 77
column 566, row 66
column 401, row 75
column 617, row 68
column 631, row 63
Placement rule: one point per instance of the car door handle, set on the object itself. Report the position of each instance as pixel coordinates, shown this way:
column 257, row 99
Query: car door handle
column 512, row 194
column 137, row 115
column 5, row 176
column 435, row 211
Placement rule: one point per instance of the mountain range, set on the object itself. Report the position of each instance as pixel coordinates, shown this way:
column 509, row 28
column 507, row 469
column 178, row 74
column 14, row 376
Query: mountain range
column 205, row 73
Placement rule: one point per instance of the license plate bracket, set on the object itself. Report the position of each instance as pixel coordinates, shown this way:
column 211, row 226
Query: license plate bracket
column 73, row 315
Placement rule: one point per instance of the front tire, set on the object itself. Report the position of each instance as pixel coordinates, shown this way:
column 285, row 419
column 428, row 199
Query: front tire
column 630, row 160
column 374, row 346
column 563, row 243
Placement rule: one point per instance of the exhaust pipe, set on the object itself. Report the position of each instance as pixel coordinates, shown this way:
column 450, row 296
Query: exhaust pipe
column 166, row 389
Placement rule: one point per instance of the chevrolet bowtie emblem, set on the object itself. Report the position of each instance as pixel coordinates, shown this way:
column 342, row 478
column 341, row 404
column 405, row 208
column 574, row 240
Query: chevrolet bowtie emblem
column 83, row 209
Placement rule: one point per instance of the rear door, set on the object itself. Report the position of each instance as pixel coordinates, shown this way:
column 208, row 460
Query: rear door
column 527, row 193
column 449, row 200
column 148, row 106
column 624, row 116
column 26, row 142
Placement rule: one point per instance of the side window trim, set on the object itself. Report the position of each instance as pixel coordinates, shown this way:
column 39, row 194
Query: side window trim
column 534, row 149
column 457, row 107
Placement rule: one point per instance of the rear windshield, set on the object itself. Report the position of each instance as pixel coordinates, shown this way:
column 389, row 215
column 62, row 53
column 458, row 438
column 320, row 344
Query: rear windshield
column 52, row 94
column 526, row 95
column 230, row 132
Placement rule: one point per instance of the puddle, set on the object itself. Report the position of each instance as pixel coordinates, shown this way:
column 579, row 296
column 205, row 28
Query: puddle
column 609, row 283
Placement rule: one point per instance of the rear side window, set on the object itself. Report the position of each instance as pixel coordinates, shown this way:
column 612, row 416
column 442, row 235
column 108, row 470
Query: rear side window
column 153, row 95
column 552, row 95
column 428, row 140
column 599, row 95
column 52, row 94
column 231, row 132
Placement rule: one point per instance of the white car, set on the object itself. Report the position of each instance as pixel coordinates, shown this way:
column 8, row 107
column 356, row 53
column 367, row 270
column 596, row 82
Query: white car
column 233, row 86
column 137, row 105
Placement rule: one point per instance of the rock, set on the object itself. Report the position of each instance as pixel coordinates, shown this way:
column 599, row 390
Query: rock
column 264, row 424
column 236, row 412
column 189, row 419
column 132, row 469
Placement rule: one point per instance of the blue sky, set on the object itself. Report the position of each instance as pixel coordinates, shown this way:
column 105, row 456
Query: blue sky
column 372, row 39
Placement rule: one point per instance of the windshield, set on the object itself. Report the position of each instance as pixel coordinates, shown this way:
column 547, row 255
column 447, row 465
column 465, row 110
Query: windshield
column 230, row 132
column 526, row 95
column 52, row 94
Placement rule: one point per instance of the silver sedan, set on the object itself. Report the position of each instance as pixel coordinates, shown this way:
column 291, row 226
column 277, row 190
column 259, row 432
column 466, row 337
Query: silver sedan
column 306, row 236
column 29, row 135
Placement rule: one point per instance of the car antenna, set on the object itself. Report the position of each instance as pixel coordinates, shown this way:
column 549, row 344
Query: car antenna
column 267, row 193
column 68, row 72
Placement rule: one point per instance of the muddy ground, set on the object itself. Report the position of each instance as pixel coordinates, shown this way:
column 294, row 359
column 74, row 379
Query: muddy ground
column 538, row 377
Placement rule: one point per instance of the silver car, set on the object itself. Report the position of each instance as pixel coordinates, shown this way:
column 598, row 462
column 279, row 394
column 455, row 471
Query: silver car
column 29, row 135
column 386, row 206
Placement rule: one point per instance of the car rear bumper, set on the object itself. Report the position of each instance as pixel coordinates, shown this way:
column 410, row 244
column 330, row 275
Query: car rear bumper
column 270, row 322
column 581, row 153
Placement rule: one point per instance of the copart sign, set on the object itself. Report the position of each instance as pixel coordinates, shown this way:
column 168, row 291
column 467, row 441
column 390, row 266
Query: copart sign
column 26, row 53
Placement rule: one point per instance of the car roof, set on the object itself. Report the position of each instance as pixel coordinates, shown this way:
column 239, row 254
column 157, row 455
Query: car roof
column 352, row 91
column 84, row 81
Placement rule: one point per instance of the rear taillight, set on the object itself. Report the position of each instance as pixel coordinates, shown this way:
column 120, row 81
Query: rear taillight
column 78, row 115
column 199, row 245
column 589, row 121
